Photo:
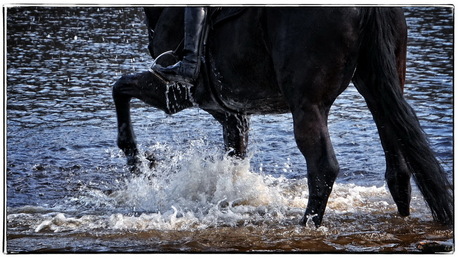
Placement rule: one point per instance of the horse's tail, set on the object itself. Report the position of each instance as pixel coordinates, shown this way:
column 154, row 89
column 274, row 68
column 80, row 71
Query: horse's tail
column 379, row 77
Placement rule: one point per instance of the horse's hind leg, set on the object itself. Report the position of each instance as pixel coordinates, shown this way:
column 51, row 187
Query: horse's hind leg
column 397, row 172
column 312, row 137
column 310, row 95
column 379, row 78
column 310, row 114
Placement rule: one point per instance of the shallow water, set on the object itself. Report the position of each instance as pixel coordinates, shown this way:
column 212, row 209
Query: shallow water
column 68, row 189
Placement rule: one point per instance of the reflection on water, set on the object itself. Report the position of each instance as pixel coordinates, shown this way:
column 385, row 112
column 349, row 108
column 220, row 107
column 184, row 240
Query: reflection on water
column 68, row 189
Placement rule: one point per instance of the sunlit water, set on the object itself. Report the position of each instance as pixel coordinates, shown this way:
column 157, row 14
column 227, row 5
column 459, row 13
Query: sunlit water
column 68, row 188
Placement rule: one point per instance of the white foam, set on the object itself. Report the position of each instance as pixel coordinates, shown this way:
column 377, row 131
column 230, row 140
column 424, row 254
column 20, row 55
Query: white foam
column 203, row 188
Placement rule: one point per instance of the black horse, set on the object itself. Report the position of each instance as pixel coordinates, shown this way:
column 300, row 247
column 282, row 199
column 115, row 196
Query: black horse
column 299, row 60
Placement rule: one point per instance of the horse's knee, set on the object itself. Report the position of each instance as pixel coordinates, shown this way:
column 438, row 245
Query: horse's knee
column 118, row 85
column 121, row 85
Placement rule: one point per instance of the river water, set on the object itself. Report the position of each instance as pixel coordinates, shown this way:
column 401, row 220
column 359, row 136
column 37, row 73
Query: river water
column 68, row 190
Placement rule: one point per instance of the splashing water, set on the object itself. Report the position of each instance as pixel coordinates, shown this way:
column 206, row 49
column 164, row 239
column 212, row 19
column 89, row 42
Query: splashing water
column 196, row 189
column 197, row 192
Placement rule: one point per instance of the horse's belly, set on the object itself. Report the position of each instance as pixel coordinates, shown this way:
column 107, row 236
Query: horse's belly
column 265, row 105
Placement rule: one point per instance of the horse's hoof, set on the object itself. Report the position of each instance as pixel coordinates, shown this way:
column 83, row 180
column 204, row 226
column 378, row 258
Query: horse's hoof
column 308, row 219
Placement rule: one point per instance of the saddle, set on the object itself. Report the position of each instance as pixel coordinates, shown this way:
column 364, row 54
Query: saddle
column 216, row 16
column 219, row 15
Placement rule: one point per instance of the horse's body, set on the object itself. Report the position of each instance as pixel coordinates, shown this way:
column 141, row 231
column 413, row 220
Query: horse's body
column 298, row 60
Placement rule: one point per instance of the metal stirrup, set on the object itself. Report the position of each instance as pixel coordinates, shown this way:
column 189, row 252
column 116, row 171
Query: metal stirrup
column 169, row 52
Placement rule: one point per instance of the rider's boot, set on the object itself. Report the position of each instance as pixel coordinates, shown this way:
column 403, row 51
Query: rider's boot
column 188, row 69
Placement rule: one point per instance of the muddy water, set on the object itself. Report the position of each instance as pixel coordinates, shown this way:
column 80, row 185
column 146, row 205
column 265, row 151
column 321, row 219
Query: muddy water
column 68, row 189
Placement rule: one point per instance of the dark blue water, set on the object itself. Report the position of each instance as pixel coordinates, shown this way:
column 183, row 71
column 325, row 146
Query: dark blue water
column 68, row 189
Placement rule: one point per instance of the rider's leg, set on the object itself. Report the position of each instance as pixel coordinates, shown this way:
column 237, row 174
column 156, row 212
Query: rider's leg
column 194, row 24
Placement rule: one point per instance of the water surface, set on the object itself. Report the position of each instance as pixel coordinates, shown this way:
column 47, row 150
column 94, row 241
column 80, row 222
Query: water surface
column 68, row 189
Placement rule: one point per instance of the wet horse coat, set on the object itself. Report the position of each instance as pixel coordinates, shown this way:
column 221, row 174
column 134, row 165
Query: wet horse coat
column 298, row 60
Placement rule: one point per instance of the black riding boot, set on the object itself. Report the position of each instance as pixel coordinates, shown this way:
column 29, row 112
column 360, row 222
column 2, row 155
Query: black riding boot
column 188, row 68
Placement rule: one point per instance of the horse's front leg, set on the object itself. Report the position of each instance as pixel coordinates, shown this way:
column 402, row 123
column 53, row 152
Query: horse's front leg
column 123, row 91
column 235, row 132
column 151, row 89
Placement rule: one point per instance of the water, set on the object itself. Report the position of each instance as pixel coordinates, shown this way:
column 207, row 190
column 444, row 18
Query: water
column 67, row 189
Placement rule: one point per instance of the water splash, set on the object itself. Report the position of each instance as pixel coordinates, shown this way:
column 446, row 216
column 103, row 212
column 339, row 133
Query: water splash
column 199, row 188
column 203, row 193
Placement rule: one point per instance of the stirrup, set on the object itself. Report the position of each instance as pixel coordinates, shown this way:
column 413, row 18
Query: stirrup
column 155, row 64
column 167, row 77
column 155, row 61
